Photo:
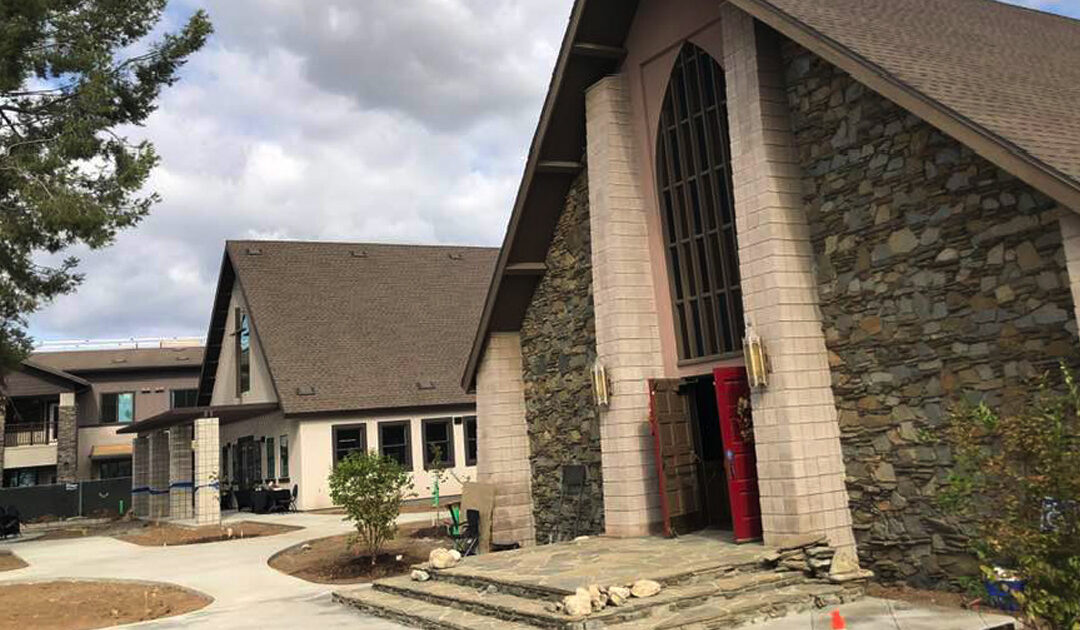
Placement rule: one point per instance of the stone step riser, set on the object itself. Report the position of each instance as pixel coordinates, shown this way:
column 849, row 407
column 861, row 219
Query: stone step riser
column 399, row 616
column 487, row 610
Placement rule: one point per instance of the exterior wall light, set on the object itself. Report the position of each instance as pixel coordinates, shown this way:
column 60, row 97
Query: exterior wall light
column 601, row 385
column 757, row 360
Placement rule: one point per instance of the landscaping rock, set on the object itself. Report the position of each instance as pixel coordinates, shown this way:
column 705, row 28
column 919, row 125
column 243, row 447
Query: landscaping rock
column 442, row 559
column 645, row 588
column 579, row 604
column 618, row 595
column 419, row 575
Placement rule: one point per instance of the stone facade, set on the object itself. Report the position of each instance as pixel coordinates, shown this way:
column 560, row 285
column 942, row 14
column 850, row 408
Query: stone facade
column 67, row 440
column 941, row 277
column 558, row 343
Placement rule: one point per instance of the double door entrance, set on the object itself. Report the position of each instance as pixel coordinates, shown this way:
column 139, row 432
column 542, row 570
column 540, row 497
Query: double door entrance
column 704, row 452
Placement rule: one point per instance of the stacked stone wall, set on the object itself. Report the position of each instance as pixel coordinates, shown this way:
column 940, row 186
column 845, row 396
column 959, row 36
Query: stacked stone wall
column 941, row 278
column 558, row 343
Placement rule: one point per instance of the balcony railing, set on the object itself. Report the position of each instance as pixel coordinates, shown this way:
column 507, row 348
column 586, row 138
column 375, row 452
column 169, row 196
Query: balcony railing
column 29, row 434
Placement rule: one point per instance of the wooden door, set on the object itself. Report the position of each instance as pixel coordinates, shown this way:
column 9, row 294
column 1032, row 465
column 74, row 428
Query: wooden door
column 731, row 386
column 677, row 464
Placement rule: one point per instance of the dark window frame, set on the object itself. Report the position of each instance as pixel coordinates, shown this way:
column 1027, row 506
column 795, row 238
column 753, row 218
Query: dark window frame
column 697, row 206
column 193, row 392
column 108, row 464
column 449, row 457
column 472, row 439
column 271, row 458
column 408, row 463
column 337, row 428
column 283, row 453
column 243, row 355
column 116, row 408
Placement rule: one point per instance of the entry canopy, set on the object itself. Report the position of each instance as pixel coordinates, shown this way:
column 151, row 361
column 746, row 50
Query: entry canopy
column 110, row 451
column 224, row 413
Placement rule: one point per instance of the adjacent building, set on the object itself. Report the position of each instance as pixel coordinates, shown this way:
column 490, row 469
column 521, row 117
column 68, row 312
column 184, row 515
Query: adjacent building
column 885, row 194
column 62, row 410
column 316, row 350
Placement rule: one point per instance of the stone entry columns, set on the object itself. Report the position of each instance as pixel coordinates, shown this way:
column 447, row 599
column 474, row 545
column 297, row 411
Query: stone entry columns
column 181, row 480
column 796, row 427
column 159, row 475
column 207, row 472
column 140, row 476
column 627, row 327
column 67, row 439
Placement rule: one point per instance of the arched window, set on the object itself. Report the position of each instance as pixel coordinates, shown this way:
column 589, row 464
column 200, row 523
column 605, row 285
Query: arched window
column 694, row 175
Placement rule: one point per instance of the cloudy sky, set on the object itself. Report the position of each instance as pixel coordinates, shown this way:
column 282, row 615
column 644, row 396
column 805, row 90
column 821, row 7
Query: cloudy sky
column 359, row 120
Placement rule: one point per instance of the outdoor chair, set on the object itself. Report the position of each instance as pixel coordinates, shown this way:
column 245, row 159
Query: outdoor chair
column 292, row 501
column 9, row 522
column 466, row 536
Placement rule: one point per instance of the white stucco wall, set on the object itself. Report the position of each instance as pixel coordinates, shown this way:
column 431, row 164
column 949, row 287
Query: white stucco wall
column 262, row 387
column 316, row 453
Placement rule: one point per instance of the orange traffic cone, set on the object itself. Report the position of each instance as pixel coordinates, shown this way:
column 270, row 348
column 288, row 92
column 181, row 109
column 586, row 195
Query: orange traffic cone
column 838, row 622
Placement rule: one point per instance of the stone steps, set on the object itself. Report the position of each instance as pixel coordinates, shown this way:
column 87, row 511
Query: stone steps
column 420, row 614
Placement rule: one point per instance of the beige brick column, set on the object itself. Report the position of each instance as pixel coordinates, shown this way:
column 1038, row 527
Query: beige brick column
column 181, row 482
column 159, row 475
column 207, row 472
column 627, row 326
column 1070, row 237
column 502, row 440
column 796, row 427
column 67, row 440
column 140, row 476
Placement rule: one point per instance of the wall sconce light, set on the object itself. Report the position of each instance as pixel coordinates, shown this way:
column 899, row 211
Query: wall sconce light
column 757, row 360
column 601, row 385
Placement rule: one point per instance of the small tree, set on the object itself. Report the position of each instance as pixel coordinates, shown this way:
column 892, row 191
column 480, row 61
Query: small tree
column 1017, row 478
column 370, row 488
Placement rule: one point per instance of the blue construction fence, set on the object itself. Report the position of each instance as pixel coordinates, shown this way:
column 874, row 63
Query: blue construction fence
column 93, row 499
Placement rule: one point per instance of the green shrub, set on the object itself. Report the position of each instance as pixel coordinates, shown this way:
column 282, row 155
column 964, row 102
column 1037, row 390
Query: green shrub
column 371, row 489
column 1017, row 479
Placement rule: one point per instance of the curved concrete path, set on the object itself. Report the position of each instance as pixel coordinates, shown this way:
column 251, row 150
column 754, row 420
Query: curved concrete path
column 247, row 592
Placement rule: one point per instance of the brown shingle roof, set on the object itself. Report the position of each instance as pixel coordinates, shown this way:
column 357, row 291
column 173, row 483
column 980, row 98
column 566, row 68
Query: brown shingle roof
column 1009, row 71
column 120, row 359
column 363, row 324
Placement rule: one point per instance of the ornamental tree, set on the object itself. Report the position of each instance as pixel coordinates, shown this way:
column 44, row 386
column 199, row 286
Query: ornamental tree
column 370, row 488
column 74, row 76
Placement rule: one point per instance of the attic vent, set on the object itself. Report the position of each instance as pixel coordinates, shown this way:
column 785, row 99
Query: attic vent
column 305, row 391
column 456, row 256
column 254, row 251
column 183, row 358
column 425, row 385
column 359, row 253
column 119, row 360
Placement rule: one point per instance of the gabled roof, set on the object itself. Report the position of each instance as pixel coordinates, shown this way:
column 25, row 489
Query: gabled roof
column 32, row 376
column 121, row 359
column 354, row 326
column 1003, row 80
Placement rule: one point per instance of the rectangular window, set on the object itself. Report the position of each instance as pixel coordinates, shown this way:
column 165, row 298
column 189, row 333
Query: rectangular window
column 225, row 462
column 438, row 442
column 180, row 398
column 348, row 439
column 471, row 440
column 283, row 446
column 114, row 468
column 243, row 352
column 271, row 460
column 394, row 442
column 118, row 407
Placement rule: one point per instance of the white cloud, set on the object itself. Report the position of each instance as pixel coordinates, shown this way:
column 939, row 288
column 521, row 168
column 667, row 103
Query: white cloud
column 386, row 120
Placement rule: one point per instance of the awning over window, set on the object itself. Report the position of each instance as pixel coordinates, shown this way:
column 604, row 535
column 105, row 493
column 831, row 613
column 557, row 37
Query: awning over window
column 110, row 451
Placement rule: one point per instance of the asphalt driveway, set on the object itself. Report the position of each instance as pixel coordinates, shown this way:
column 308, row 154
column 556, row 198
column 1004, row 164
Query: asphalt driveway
column 247, row 592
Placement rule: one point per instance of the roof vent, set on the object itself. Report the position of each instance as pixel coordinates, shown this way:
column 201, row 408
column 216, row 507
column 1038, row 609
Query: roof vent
column 359, row 253
column 305, row 391
column 456, row 256
column 183, row 358
column 254, row 251
column 119, row 360
column 425, row 385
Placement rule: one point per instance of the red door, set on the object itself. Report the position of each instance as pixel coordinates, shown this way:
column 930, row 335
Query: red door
column 731, row 385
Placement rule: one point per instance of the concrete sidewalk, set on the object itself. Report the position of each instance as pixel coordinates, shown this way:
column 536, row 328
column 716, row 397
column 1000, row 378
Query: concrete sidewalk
column 247, row 592
column 880, row 614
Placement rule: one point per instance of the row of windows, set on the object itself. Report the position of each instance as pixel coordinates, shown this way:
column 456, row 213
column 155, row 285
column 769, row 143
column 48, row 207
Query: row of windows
column 119, row 407
column 395, row 442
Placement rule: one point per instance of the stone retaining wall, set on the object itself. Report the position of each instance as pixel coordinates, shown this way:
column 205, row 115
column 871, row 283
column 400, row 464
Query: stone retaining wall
column 941, row 277
column 558, row 343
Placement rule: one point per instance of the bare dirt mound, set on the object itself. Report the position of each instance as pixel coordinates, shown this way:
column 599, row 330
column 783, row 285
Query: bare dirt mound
column 156, row 535
column 78, row 604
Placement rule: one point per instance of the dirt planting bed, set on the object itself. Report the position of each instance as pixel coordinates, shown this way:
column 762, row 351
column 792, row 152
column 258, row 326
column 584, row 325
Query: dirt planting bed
column 76, row 604
column 937, row 598
column 159, row 534
column 330, row 561
column 9, row 561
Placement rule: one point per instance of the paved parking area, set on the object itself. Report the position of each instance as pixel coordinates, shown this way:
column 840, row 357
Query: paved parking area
column 247, row 592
